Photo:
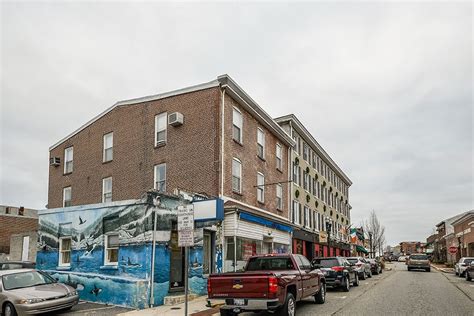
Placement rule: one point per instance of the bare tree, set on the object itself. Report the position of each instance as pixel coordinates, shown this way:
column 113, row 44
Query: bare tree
column 376, row 232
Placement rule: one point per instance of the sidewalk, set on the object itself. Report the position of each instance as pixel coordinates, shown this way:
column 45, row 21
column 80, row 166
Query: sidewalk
column 196, row 307
column 441, row 267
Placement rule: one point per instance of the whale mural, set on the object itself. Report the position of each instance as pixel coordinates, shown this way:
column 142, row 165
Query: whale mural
column 126, row 282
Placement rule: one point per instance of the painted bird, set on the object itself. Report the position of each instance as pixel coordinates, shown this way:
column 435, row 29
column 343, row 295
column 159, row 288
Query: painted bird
column 81, row 221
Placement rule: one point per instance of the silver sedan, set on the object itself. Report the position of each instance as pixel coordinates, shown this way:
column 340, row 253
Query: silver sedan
column 27, row 291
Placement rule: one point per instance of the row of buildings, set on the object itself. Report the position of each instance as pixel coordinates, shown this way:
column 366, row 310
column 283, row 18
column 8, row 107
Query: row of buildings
column 267, row 184
column 454, row 239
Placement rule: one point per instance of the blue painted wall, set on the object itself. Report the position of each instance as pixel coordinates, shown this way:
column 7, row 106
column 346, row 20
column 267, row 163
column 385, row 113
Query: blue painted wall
column 127, row 283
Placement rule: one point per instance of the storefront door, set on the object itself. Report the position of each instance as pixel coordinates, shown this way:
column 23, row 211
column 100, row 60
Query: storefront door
column 176, row 264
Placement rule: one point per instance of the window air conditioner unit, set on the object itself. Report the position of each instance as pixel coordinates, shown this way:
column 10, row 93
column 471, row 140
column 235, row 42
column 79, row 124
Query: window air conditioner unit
column 175, row 119
column 54, row 161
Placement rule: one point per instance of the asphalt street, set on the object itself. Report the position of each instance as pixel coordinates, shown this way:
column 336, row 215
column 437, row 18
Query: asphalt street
column 399, row 292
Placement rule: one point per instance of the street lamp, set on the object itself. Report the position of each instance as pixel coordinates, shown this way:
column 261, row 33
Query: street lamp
column 328, row 229
column 370, row 244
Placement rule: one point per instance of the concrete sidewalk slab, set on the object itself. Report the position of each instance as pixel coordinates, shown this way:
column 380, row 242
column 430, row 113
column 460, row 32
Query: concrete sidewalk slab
column 196, row 307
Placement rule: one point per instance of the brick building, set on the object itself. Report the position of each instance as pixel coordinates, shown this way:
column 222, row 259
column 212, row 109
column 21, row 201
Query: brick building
column 410, row 247
column 18, row 232
column 464, row 233
column 211, row 139
column 319, row 195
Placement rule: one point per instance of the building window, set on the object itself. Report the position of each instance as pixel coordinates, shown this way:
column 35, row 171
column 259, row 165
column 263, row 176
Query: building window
column 278, row 154
column 295, row 173
column 236, row 175
column 260, row 187
column 296, row 212
column 305, row 180
column 260, row 143
column 306, row 216
column 160, row 128
column 160, row 177
column 65, row 251
column 279, row 196
column 305, row 152
column 111, row 249
column 68, row 157
column 237, row 122
column 107, row 190
column 108, row 147
column 67, row 196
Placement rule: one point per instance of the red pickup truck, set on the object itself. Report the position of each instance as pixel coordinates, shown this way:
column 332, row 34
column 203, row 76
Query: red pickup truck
column 269, row 283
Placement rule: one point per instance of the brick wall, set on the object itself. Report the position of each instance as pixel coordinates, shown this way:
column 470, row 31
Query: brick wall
column 251, row 163
column 10, row 225
column 191, row 152
column 16, row 246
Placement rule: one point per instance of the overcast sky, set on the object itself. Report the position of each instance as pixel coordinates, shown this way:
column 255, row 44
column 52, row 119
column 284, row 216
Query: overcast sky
column 385, row 88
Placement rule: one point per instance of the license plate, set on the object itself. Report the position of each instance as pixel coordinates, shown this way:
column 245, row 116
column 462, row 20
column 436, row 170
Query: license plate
column 239, row 301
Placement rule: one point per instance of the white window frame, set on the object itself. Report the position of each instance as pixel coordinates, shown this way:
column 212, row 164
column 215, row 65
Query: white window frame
column 111, row 148
column 306, row 216
column 71, row 160
column 262, row 143
column 161, row 180
column 64, row 195
column 104, row 198
column 236, row 113
column 279, row 156
column 296, row 212
column 239, row 175
column 279, row 196
column 61, row 252
column 107, row 248
column 161, row 129
column 260, row 187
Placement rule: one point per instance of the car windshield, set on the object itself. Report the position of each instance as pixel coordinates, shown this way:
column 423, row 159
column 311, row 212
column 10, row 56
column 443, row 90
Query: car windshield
column 419, row 257
column 468, row 261
column 270, row 263
column 25, row 279
column 326, row 263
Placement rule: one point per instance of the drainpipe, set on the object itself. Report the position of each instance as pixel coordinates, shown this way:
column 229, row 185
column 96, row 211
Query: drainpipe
column 222, row 145
column 152, row 277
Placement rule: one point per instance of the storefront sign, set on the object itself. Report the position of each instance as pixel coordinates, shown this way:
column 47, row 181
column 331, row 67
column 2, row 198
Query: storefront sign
column 323, row 237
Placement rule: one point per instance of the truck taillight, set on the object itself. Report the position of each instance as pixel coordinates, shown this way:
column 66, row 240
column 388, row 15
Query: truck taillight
column 337, row 268
column 209, row 287
column 272, row 285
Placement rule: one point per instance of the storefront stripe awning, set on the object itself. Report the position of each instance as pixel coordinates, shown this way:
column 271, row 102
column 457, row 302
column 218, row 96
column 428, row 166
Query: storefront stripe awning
column 362, row 249
column 265, row 222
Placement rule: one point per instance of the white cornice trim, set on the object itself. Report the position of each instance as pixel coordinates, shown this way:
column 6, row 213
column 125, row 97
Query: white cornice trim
column 226, row 198
column 301, row 129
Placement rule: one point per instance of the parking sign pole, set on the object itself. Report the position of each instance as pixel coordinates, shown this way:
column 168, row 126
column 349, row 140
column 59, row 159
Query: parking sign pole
column 186, row 281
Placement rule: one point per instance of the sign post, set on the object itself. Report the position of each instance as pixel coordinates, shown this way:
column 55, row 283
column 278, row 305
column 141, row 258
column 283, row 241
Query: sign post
column 186, row 239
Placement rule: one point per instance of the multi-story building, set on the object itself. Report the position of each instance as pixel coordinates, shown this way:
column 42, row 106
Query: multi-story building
column 446, row 238
column 18, row 232
column 212, row 139
column 319, row 195
column 464, row 233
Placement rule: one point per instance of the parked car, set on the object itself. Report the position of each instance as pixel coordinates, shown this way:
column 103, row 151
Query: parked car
column 362, row 266
column 469, row 272
column 419, row 261
column 28, row 291
column 10, row 265
column 338, row 272
column 462, row 264
column 375, row 266
column 269, row 283
column 402, row 258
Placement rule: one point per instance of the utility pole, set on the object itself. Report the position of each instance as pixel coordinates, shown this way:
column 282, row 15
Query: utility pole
column 328, row 229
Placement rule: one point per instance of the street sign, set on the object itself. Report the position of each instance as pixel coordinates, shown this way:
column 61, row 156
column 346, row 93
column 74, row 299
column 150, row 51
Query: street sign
column 185, row 217
column 185, row 238
column 453, row 249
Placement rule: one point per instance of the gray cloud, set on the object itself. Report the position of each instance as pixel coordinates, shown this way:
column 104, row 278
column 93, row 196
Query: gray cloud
column 385, row 88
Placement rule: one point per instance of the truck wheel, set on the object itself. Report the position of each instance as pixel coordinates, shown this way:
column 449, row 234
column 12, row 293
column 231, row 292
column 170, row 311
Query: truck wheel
column 288, row 309
column 227, row 312
column 356, row 281
column 320, row 297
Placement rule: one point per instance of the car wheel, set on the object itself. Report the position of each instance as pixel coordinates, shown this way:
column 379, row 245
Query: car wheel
column 356, row 281
column 370, row 274
column 320, row 297
column 409, row 269
column 9, row 310
column 468, row 276
column 428, row 270
column 456, row 272
column 346, row 286
column 462, row 274
column 363, row 276
column 289, row 308
column 376, row 272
